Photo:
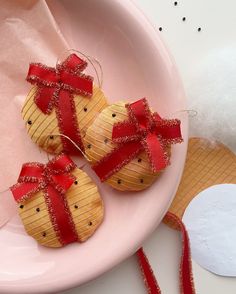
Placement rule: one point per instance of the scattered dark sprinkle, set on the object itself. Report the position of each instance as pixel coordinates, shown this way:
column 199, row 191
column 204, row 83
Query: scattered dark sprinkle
column 21, row 206
column 119, row 181
column 160, row 29
column 113, row 115
column 38, row 209
column 199, row 29
column 90, row 223
column 175, row 3
column 184, row 18
column 44, row 234
column 89, row 146
column 76, row 182
column 106, row 141
column 139, row 160
column 51, row 137
column 141, row 180
column 29, row 122
column 76, row 206
column 85, row 109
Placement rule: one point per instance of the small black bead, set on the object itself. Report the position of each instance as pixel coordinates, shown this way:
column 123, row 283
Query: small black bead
column 89, row 146
column 175, row 3
column 184, row 18
column 119, row 181
column 51, row 137
column 113, row 115
column 44, row 234
column 106, row 141
column 141, row 181
column 160, row 29
column 76, row 182
column 29, row 122
column 38, row 209
column 21, row 206
column 76, row 206
column 139, row 160
column 199, row 29
column 85, row 109
column 90, row 223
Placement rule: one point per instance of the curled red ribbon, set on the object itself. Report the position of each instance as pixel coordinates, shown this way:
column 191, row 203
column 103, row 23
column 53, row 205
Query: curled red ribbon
column 143, row 131
column 185, row 271
column 54, row 179
column 56, row 87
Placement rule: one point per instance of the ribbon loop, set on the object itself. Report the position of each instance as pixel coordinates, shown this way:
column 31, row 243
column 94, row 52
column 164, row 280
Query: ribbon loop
column 31, row 172
column 140, row 113
column 74, row 63
column 41, row 74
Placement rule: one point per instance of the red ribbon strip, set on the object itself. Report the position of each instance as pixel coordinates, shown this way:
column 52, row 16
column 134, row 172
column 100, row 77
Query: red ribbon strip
column 143, row 131
column 185, row 272
column 56, row 87
column 54, row 179
column 147, row 272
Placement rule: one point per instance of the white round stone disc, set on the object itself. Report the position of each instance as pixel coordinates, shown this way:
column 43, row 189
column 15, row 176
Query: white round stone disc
column 210, row 219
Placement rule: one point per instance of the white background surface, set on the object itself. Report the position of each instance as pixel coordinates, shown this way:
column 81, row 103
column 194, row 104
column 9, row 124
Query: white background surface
column 188, row 46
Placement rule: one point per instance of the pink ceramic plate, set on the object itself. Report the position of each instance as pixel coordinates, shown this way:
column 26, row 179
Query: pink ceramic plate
column 135, row 64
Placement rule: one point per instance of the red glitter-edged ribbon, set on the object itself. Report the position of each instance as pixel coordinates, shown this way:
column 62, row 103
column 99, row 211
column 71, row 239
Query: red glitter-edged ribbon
column 185, row 272
column 143, row 131
column 56, row 88
column 54, row 179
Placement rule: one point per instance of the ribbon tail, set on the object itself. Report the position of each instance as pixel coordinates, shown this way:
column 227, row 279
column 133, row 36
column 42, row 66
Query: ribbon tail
column 67, row 121
column 60, row 215
column 44, row 99
column 147, row 272
column 156, row 153
column 169, row 129
column 115, row 160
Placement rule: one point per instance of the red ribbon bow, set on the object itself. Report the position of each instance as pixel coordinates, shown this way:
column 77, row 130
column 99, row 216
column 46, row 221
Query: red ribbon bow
column 54, row 179
column 56, row 87
column 143, row 131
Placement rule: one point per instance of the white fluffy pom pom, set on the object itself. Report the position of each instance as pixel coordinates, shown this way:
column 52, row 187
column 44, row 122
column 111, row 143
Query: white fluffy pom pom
column 212, row 94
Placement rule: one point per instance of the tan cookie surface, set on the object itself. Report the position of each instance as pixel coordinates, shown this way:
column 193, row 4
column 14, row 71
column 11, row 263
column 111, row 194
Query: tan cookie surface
column 206, row 165
column 40, row 126
column 137, row 174
column 85, row 205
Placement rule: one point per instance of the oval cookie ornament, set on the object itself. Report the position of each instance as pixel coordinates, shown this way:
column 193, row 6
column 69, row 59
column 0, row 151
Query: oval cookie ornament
column 57, row 202
column 63, row 101
column 129, row 146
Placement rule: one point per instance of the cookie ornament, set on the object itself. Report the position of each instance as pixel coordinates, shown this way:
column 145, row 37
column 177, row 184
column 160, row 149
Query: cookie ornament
column 58, row 203
column 129, row 145
column 63, row 101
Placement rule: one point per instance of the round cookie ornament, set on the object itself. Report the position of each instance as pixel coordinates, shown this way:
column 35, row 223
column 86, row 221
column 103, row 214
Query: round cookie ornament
column 57, row 202
column 129, row 145
column 63, row 101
